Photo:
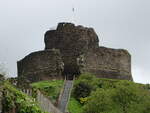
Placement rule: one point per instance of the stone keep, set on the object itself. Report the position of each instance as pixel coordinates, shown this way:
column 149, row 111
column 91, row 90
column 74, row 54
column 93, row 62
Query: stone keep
column 79, row 53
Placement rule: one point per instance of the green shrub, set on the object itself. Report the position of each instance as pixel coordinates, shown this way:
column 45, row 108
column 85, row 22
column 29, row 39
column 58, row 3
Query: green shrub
column 99, row 102
column 87, row 76
column 82, row 90
column 14, row 98
column 110, row 96
column 131, row 97
column 126, row 97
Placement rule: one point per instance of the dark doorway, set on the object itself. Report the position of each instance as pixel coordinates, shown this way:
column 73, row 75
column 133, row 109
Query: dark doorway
column 69, row 77
column 70, row 71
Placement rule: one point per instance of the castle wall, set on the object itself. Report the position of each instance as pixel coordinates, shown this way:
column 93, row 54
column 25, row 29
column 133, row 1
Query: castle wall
column 41, row 65
column 79, row 51
column 109, row 63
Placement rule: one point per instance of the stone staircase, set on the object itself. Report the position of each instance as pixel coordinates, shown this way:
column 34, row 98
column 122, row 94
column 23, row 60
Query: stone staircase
column 62, row 105
column 47, row 105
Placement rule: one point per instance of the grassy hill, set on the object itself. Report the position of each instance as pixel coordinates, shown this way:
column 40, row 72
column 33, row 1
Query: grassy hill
column 95, row 95
column 89, row 95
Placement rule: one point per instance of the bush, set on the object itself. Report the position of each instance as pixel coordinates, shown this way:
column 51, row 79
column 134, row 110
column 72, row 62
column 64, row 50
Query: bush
column 99, row 102
column 101, row 95
column 125, row 94
column 13, row 98
column 131, row 98
column 126, row 97
column 87, row 76
column 82, row 90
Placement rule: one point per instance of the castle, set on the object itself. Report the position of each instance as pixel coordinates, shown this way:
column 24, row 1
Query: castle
column 71, row 50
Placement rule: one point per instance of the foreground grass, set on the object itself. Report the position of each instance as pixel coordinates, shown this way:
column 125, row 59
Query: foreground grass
column 74, row 106
column 50, row 88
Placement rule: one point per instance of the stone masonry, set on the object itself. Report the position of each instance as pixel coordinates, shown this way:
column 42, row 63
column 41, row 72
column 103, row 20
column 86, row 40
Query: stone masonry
column 41, row 65
column 79, row 53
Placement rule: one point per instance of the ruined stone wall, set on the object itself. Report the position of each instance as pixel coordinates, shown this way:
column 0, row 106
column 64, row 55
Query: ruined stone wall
column 41, row 65
column 71, row 39
column 80, row 50
column 108, row 63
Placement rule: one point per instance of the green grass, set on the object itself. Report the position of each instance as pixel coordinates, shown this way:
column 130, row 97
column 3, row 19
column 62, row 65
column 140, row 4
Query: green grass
column 74, row 106
column 49, row 88
column 115, row 87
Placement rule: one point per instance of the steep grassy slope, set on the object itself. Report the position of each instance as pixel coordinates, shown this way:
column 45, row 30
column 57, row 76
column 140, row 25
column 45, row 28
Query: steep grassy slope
column 95, row 95
column 75, row 106
column 50, row 88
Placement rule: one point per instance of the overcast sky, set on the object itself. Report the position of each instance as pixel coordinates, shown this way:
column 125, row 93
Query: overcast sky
column 118, row 23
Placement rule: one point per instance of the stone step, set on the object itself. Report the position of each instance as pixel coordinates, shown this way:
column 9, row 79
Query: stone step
column 65, row 96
